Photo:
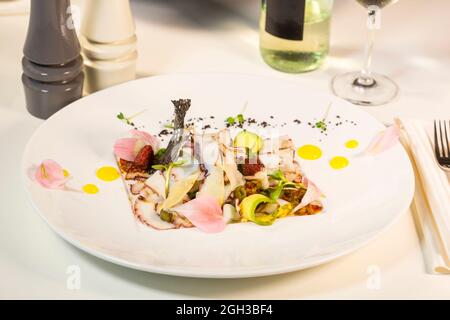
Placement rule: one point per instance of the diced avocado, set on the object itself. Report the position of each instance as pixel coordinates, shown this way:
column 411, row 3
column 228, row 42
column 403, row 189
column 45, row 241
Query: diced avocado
column 240, row 193
column 248, row 209
column 248, row 140
column 166, row 216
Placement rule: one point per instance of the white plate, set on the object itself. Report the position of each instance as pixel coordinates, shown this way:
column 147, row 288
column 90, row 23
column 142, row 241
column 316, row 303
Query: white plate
column 362, row 199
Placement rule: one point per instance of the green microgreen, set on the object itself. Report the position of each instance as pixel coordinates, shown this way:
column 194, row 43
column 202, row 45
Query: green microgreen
column 125, row 119
column 160, row 153
column 230, row 120
column 240, row 118
column 321, row 125
column 128, row 120
column 282, row 184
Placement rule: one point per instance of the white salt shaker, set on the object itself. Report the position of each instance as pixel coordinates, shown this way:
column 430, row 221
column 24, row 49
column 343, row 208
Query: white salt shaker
column 109, row 43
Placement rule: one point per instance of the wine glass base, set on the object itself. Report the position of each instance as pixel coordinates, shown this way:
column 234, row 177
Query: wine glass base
column 381, row 91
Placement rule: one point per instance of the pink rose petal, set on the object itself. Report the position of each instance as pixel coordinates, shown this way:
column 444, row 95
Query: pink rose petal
column 147, row 138
column 50, row 175
column 384, row 140
column 204, row 212
column 128, row 148
column 312, row 194
column 125, row 148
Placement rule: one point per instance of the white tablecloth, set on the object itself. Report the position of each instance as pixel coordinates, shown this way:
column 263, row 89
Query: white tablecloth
column 222, row 36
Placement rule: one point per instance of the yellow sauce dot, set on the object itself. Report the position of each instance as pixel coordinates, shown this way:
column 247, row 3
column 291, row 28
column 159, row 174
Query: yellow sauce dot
column 339, row 162
column 107, row 173
column 309, row 152
column 90, row 189
column 352, row 144
column 66, row 173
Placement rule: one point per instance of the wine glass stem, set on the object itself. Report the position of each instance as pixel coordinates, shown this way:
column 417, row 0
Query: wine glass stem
column 365, row 79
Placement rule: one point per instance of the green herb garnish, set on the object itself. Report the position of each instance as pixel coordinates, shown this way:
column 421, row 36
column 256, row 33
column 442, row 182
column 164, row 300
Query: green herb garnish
column 124, row 119
column 230, row 120
column 277, row 175
column 160, row 152
column 276, row 193
column 128, row 120
column 321, row 125
column 239, row 119
column 282, row 183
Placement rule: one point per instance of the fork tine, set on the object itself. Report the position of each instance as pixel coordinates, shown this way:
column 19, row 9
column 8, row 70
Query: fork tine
column 441, row 133
column 447, row 139
column 436, row 141
column 443, row 130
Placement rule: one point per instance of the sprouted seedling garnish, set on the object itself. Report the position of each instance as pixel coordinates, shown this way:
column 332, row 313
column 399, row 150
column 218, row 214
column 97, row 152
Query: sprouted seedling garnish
column 167, row 169
column 239, row 120
column 282, row 184
column 322, row 124
column 129, row 120
column 124, row 119
column 230, row 120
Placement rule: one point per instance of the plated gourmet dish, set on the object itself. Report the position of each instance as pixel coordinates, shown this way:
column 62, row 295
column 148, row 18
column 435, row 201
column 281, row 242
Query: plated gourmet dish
column 210, row 178
column 357, row 163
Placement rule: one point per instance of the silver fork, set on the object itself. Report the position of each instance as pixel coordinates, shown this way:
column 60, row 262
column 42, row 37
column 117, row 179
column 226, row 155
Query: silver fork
column 441, row 143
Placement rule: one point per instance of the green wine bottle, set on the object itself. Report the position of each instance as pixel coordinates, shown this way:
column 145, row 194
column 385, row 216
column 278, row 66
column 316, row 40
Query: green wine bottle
column 294, row 34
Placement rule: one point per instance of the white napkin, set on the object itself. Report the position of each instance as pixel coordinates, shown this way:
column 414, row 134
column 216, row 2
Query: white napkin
column 431, row 204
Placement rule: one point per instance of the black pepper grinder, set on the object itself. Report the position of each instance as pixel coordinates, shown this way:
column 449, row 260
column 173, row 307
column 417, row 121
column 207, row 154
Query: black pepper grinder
column 52, row 65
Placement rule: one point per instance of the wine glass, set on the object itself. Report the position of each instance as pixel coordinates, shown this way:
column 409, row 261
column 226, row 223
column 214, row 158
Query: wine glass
column 365, row 87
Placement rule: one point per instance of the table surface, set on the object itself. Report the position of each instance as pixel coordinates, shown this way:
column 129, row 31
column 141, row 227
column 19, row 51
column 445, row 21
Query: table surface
column 222, row 36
